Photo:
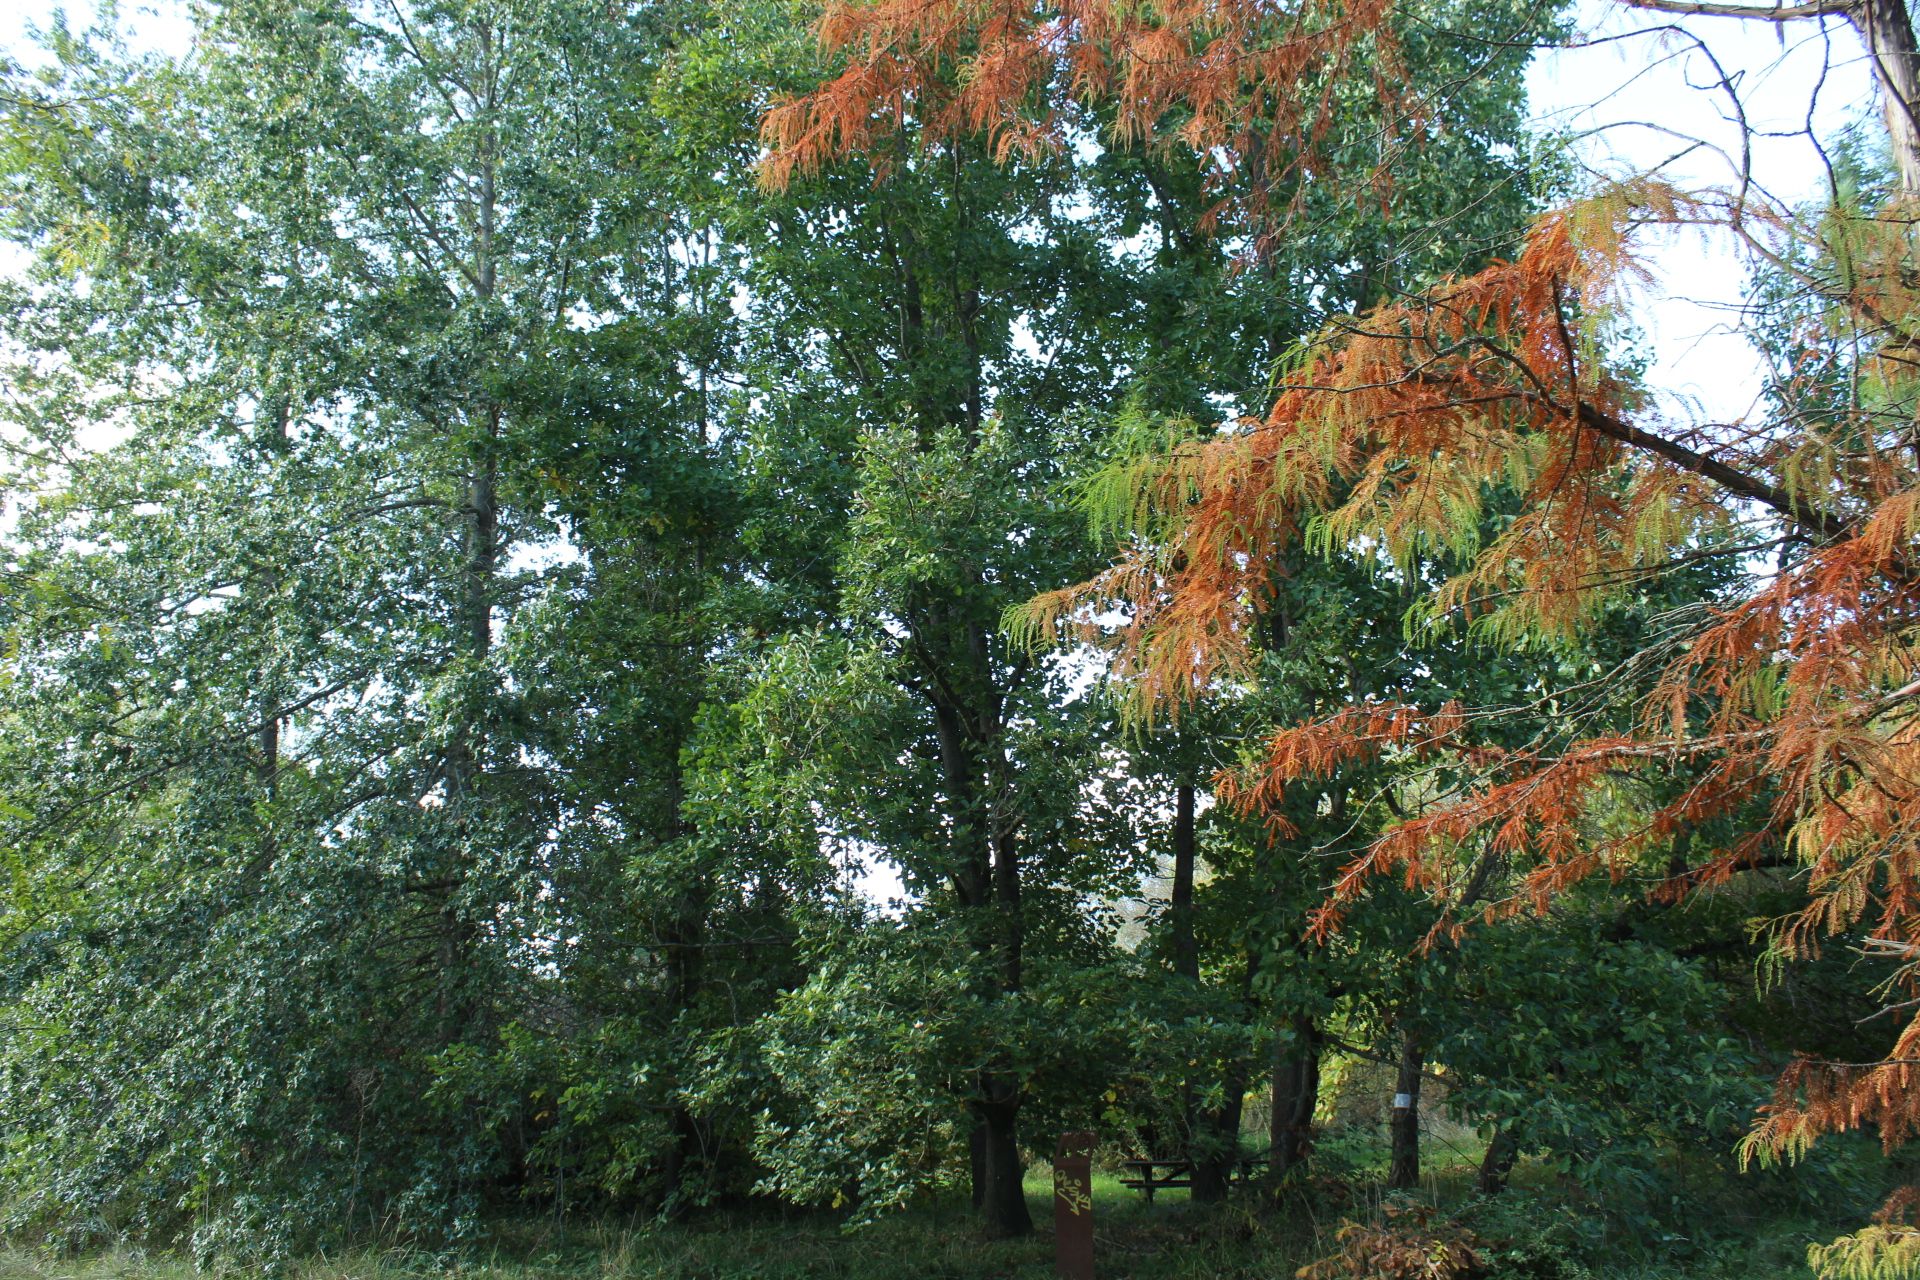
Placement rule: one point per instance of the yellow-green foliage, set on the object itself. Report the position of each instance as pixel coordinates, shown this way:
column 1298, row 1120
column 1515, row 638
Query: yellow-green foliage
column 1874, row 1253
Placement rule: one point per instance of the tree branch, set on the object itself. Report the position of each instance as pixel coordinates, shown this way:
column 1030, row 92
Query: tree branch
column 1775, row 13
column 1728, row 478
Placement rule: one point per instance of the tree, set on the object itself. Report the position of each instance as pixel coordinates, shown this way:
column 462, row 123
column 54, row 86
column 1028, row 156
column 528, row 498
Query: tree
column 486, row 573
column 297, row 372
column 951, row 523
column 1793, row 694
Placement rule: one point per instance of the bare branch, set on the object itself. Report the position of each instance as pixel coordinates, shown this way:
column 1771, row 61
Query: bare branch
column 1774, row 13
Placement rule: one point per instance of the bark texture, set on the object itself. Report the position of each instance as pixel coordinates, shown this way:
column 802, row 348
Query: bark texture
column 1403, row 1171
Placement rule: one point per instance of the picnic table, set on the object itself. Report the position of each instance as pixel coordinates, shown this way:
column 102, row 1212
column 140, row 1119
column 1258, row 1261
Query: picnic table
column 1145, row 1175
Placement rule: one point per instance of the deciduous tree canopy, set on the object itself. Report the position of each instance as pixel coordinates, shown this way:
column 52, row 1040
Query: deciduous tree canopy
column 652, row 608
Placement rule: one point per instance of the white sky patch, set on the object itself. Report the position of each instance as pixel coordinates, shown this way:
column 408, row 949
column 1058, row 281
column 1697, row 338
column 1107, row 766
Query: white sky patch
column 874, row 877
column 162, row 28
column 1638, row 95
column 539, row 556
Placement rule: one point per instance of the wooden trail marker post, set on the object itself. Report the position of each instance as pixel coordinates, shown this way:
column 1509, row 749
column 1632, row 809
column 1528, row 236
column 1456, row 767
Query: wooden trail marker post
column 1073, row 1206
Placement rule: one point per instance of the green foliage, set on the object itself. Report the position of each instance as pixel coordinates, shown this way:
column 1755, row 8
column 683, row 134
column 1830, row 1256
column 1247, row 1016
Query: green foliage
column 295, row 378
column 489, row 593
column 1602, row 1054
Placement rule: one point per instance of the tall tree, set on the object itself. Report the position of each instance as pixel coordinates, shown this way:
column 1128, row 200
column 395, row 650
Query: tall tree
column 287, row 384
column 1793, row 693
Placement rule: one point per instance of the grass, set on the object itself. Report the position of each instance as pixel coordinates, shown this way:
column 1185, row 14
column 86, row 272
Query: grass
column 1171, row 1239
column 1170, row 1242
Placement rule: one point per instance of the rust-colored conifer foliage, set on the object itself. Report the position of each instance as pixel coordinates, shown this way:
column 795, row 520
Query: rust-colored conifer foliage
column 1245, row 84
column 1798, row 702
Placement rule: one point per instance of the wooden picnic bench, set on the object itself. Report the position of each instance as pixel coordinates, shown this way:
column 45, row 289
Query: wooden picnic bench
column 1144, row 1175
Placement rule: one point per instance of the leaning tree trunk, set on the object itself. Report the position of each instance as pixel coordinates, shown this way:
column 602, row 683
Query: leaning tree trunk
column 1497, row 1164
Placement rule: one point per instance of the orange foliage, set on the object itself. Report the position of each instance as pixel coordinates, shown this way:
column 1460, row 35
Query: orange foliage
column 1245, row 83
column 1388, row 434
column 1390, row 431
column 1406, row 1245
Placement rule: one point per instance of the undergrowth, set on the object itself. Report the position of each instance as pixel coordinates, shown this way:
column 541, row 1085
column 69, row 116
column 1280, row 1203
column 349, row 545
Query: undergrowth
column 1334, row 1227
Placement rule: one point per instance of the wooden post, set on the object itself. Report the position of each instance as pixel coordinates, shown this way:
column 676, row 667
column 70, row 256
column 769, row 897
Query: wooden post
column 1073, row 1206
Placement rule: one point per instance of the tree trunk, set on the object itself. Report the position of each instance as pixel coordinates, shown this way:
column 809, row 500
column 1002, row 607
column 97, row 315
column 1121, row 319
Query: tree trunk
column 685, row 952
column 1403, row 1172
column 1497, row 1163
column 479, row 537
column 977, row 1161
column 1887, row 28
column 1185, row 948
column 1209, row 1173
column 985, row 875
column 274, row 442
column 1217, row 1137
column 1203, row 1136
column 1296, row 1094
column 1001, row 1198
column 968, row 705
column 1008, row 913
column 456, row 1006
column 1217, row 1144
column 686, row 1155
